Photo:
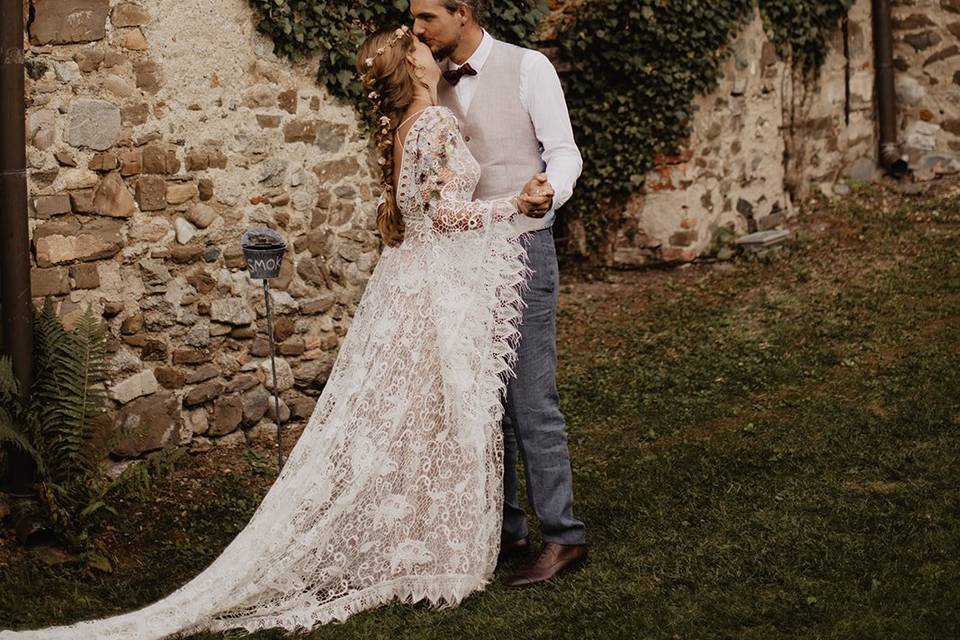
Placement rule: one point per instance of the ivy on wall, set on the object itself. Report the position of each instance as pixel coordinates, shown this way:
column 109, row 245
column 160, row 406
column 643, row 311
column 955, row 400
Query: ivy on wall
column 636, row 66
column 336, row 29
column 801, row 29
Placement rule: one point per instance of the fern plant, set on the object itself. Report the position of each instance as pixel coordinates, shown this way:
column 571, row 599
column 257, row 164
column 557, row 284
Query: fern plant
column 55, row 427
column 14, row 413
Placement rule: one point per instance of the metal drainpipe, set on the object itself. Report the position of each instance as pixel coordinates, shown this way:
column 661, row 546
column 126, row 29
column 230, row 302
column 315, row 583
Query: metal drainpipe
column 892, row 158
column 15, row 297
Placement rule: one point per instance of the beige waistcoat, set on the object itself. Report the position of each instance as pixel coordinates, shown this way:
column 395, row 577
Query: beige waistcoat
column 497, row 128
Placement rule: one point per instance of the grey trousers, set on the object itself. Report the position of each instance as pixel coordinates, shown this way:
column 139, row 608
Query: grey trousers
column 532, row 422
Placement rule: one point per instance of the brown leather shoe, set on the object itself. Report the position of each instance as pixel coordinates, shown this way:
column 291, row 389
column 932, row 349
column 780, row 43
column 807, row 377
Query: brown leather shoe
column 554, row 559
column 513, row 548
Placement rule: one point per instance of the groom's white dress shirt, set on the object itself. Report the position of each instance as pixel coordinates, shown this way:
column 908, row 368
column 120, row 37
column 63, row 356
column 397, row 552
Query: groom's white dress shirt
column 541, row 94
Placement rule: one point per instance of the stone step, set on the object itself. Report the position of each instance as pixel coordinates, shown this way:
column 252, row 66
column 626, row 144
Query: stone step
column 762, row 239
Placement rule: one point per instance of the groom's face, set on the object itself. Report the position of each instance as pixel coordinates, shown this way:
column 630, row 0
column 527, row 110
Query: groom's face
column 437, row 27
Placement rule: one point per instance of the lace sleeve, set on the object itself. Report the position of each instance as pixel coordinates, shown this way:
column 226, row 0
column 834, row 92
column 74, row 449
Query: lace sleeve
column 451, row 175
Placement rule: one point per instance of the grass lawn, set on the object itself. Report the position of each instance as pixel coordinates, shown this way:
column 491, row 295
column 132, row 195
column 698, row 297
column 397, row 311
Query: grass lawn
column 762, row 449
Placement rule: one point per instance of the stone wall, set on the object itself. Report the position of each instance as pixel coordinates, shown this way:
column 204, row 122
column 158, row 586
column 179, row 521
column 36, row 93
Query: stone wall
column 158, row 132
column 927, row 62
column 761, row 139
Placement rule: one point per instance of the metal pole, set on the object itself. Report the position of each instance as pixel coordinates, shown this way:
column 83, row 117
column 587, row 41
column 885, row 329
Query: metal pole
column 15, row 297
column 891, row 157
column 273, row 365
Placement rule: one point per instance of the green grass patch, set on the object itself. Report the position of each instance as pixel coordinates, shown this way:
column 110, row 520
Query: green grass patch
column 765, row 451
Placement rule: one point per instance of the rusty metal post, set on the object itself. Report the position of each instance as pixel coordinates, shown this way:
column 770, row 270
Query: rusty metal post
column 892, row 157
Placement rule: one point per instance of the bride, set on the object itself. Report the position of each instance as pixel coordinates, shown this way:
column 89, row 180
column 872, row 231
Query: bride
column 394, row 490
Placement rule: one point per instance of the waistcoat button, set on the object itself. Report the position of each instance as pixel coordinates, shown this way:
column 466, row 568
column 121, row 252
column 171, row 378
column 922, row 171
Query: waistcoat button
column 467, row 138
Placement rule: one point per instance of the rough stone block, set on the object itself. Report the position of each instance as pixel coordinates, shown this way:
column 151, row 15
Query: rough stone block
column 56, row 249
column 148, row 423
column 89, row 60
column 205, row 187
column 65, row 226
column 922, row 40
column 131, row 162
column 331, row 137
column 268, row 121
column 120, row 87
column 259, row 95
column 302, row 407
column 232, row 311
column 41, row 128
column 201, row 215
column 49, row 282
column 129, row 14
column 68, row 21
column 148, row 74
column 285, row 377
column 287, row 100
column 185, row 254
column 68, row 71
column 254, row 403
column 140, row 384
column 151, row 193
column 113, row 198
column 197, row 159
column 93, row 123
column 106, row 161
column 300, row 131
column 336, row 170
column 132, row 39
column 46, row 206
column 160, row 159
column 943, row 54
column 45, row 177
column 227, row 416
column 203, row 393
column 169, row 377
column 79, row 179
column 135, row 113
column 85, row 276
column 186, row 355
column 180, row 193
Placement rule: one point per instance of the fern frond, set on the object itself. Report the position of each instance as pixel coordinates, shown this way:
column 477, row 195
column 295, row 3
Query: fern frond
column 11, row 435
column 69, row 395
column 9, row 385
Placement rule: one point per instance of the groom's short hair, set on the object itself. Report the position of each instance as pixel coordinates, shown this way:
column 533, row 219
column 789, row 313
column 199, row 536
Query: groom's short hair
column 478, row 7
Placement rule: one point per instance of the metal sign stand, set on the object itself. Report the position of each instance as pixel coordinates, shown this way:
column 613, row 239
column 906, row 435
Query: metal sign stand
column 273, row 366
column 263, row 249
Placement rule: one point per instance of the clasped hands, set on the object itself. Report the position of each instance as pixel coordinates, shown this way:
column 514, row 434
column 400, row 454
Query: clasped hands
column 536, row 199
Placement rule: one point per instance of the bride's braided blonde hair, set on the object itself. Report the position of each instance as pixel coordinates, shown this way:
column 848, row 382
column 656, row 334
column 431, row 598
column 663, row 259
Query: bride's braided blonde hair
column 386, row 76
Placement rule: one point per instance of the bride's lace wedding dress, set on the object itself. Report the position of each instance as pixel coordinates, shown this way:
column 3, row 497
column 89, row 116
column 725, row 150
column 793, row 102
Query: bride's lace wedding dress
column 394, row 490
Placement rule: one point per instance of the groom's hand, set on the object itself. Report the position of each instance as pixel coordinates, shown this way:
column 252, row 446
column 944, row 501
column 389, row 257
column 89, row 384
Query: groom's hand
column 537, row 196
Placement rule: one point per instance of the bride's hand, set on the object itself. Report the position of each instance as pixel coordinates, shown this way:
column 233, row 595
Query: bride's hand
column 536, row 199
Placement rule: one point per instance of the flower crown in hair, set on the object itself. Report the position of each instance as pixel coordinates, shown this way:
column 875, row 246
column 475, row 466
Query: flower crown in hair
column 399, row 33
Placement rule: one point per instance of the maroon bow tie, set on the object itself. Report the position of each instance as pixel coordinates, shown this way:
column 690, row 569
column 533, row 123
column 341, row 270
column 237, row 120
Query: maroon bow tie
column 453, row 75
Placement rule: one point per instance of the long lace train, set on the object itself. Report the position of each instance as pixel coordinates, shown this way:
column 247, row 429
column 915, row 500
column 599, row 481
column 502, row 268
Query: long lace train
column 394, row 490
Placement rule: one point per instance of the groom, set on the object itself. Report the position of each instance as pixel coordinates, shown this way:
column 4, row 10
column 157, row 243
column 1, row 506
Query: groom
column 514, row 120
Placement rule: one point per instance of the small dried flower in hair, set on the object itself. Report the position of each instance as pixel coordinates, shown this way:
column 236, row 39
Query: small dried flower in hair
column 381, row 160
column 368, row 62
column 384, row 120
column 373, row 95
column 380, row 51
